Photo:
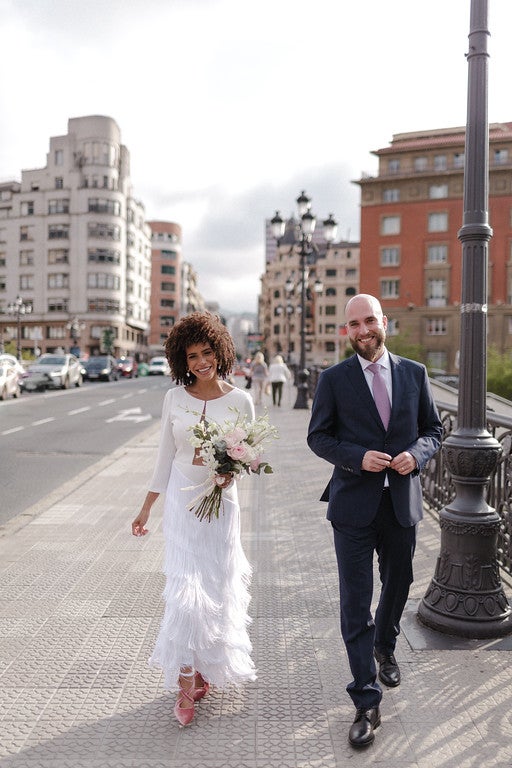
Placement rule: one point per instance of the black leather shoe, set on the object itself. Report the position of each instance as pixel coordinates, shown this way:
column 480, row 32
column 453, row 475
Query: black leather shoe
column 361, row 731
column 389, row 671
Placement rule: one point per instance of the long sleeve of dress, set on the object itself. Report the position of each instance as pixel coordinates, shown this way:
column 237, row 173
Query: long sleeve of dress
column 166, row 450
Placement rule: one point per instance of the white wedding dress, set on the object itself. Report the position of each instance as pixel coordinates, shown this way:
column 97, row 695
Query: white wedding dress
column 207, row 574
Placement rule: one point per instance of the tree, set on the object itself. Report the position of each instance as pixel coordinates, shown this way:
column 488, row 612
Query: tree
column 499, row 373
column 107, row 340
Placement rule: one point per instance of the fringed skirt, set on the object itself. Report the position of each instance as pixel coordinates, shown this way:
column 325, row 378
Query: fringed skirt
column 207, row 589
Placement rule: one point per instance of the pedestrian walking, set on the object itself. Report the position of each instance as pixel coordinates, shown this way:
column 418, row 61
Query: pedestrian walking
column 374, row 419
column 203, row 638
column 278, row 374
column 259, row 377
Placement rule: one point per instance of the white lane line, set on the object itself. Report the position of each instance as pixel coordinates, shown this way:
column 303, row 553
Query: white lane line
column 107, row 402
column 42, row 421
column 130, row 394
column 79, row 410
column 14, row 429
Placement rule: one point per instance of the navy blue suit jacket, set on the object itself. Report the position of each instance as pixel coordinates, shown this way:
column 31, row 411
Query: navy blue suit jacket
column 345, row 423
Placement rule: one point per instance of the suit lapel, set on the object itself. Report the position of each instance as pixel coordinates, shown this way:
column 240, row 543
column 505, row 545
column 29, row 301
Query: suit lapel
column 397, row 383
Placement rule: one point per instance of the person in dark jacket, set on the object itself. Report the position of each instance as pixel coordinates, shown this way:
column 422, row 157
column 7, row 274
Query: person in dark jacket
column 378, row 426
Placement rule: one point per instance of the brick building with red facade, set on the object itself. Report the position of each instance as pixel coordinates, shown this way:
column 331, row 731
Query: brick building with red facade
column 411, row 257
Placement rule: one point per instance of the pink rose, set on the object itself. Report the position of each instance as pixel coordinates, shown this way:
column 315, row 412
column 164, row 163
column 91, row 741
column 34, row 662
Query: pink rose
column 255, row 464
column 239, row 452
column 236, row 436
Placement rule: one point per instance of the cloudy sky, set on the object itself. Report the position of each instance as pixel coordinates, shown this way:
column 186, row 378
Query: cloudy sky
column 230, row 108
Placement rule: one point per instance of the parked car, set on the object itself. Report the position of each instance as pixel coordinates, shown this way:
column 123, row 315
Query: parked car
column 158, row 366
column 9, row 380
column 5, row 357
column 101, row 368
column 54, row 372
column 128, row 366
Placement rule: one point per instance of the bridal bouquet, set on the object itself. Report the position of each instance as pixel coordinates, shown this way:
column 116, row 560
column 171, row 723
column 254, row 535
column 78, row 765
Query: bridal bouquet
column 234, row 447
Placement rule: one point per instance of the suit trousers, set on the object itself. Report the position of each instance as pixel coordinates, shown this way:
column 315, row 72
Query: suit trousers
column 355, row 549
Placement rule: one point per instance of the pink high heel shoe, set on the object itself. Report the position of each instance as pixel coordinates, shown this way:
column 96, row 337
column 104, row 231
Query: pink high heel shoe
column 184, row 715
column 201, row 689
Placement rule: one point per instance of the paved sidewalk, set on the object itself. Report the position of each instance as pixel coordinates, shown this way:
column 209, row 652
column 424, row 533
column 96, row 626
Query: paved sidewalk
column 81, row 604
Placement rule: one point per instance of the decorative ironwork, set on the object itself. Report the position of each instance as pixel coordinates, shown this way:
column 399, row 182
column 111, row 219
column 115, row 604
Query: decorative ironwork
column 439, row 490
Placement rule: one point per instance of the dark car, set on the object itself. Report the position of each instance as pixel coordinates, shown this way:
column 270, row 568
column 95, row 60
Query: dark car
column 128, row 366
column 101, row 368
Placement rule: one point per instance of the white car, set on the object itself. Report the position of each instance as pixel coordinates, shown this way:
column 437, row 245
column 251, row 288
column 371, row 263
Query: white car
column 53, row 371
column 9, row 380
column 6, row 358
column 159, row 366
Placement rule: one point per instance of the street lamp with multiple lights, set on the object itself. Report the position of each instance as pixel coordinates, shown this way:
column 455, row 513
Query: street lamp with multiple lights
column 304, row 236
column 17, row 308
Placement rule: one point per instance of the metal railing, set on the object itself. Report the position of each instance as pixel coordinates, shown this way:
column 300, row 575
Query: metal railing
column 438, row 489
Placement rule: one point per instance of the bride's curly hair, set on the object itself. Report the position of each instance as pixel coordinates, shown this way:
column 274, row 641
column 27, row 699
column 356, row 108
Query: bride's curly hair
column 199, row 328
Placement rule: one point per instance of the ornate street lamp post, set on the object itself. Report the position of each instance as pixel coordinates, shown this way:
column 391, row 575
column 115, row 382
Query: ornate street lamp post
column 465, row 596
column 18, row 309
column 305, row 230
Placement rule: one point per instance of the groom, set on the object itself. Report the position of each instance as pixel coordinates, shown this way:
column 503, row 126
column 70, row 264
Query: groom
column 378, row 425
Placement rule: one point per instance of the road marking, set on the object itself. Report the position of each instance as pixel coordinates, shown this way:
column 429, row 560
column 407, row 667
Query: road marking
column 42, row 421
column 124, row 397
column 79, row 410
column 14, row 429
column 131, row 414
column 107, row 402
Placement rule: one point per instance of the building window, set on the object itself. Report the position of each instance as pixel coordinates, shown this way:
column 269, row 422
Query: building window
column 26, row 233
column 3, row 260
column 56, row 332
column 393, row 165
column 437, row 222
column 436, row 292
column 350, row 291
column 331, row 291
column 437, row 254
column 391, row 196
column 351, row 273
column 390, row 289
column 27, row 208
column 103, row 305
column 330, row 309
column 168, row 254
column 103, row 230
column 500, row 156
column 436, row 326
column 167, row 303
column 57, row 305
column 104, row 205
column 58, row 256
column 103, row 280
column 440, row 163
column 420, row 163
column 393, row 328
column 103, row 256
column 458, row 160
column 58, row 231
column 58, row 280
column 438, row 191
column 58, row 206
column 168, row 287
column 168, row 269
column 390, row 225
column 26, row 258
column 26, row 282
column 167, row 320
column 390, row 257
column 437, row 360
column 330, row 328
column 59, row 182
column 331, row 272
column 59, row 157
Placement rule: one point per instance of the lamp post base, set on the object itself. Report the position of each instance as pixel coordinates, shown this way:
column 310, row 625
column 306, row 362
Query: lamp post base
column 302, row 390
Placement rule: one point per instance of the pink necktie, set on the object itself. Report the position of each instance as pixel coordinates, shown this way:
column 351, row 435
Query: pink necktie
column 380, row 393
